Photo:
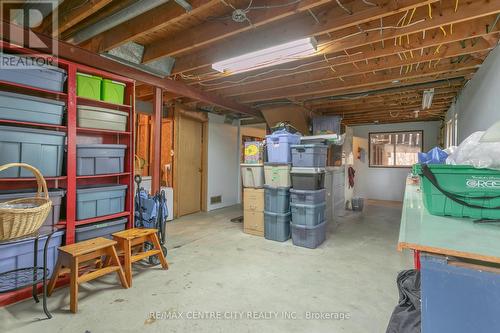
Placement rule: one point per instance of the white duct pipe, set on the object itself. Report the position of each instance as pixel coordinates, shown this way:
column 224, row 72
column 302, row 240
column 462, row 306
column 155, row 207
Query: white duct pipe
column 115, row 19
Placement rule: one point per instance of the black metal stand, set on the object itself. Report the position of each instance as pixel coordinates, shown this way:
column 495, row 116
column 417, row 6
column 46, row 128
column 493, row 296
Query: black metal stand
column 29, row 276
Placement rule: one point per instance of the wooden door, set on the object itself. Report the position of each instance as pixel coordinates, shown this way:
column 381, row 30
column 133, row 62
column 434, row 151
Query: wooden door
column 189, row 157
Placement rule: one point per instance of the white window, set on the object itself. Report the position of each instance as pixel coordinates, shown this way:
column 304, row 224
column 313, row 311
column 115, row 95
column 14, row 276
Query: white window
column 395, row 149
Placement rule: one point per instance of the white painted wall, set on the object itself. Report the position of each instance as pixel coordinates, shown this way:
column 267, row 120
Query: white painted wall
column 386, row 183
column 223, row 161
column 478, row 104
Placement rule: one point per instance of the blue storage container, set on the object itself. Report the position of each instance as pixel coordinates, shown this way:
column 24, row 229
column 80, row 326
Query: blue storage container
column 93, row 201
column 19, row 254
column 308, row 236
column 278, row 146
column 100, row 229
column 31, row 109
column 44, row 77
column 99, row 159
column 40, row 148
column 457, row 297
column 277, row 226
column 306, row 197
column 309, row 156
column 310, row 215
column 55, row 196
column 326, row 125
column 277, row 199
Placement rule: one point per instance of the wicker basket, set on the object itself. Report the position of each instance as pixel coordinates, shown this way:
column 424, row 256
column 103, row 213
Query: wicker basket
column 18, row 222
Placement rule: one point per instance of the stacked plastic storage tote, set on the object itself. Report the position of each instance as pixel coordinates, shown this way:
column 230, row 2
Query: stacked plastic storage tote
column 277, row 214
column 308, row 195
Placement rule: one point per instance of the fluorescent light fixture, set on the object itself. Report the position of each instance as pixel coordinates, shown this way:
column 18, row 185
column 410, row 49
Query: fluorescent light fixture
column 427, row 98
column 268, row 57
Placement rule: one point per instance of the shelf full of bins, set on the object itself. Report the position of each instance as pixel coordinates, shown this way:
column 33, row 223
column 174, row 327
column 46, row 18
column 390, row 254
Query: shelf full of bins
column 34, row 130
column 104, row 149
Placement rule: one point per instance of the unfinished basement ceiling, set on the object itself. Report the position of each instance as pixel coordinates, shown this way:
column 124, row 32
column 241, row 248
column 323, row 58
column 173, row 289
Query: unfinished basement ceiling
column 373, row 63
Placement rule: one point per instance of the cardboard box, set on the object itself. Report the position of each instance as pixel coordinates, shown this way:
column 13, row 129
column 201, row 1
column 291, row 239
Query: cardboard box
column 253, row 222
column 253, row 199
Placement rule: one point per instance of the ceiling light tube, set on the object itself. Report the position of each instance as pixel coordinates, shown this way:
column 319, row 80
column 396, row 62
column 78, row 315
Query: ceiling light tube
column 271, row 56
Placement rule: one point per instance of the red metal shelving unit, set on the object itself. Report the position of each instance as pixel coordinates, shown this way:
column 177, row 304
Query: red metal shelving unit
column 75, row 135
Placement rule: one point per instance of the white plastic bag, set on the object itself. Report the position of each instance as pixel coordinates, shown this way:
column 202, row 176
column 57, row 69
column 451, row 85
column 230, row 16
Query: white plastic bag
column 476, row 153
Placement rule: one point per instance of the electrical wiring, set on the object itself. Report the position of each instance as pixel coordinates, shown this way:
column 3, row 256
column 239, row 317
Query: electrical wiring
column 430, row 11
column 322, row 48
column 291, row 3
column 344, row 7
column 366, row 2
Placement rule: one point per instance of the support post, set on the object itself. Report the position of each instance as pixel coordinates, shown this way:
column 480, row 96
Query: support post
column 156, row 142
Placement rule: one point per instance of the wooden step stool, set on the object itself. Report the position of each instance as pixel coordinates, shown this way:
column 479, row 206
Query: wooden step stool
column 72, row 257
column 132, row 238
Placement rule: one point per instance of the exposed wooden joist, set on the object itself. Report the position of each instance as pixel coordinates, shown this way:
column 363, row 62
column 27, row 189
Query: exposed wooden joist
column 406, row 63
column 70, row 13
column 331, row 18
column 450, row 44
column 448, row 81
column 152, row 20
column 214, row 31
column 357, row 81
column 76, row 54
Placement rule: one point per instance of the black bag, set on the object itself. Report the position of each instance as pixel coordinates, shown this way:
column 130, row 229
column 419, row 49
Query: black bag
column 406, row 317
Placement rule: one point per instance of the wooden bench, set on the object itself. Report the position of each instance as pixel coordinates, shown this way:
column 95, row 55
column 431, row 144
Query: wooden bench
column 72, row 257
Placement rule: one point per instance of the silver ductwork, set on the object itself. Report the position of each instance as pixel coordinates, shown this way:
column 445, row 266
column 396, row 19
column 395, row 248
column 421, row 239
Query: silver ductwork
column 115, row 19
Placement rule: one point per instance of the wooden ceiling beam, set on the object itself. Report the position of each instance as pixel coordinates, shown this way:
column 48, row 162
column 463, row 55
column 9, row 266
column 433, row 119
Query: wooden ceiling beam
column 331, row 18
column 414, row 103
column 357, row 81
column 390, row 120
column 214, row 31
column 69, row 13
column 79, row 55
column 405, row 63
column 450, row 43
column 375, row 108
column 446, row 81
column 386, row 99
column 154, row 19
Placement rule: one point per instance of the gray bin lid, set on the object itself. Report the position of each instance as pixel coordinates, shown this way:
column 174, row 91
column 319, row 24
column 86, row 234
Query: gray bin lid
column 32, row 98
column 27, row 193
column 279, row 188
column 277, row 214
column 101, row 146
column 96, row 108
column 100, row 188
column 307, row 206
column 307, row 191
column 30, row 130
column 310, row 145
column 307, row 170
column 41, row 67
column 99, row 225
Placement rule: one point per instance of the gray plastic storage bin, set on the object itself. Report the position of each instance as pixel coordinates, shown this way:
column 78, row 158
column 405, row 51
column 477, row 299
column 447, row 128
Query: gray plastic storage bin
column 310, row 179
column 308, row 236
column 55, row 196
column 277, row 199
column 93, row 201
column 40, row 148
column 101, row 118
column 306, row 197
column 44, row 77
column 277, row 226
column 99, row 159
column 357, row 204
column 19, row 254
column 308, row 214
column 100, row 229
column 32, row 109
column 309, row 156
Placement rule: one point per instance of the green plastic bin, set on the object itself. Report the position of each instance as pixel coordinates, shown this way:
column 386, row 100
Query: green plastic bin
column 88, row 86
column 112, row 91
column 460, row 190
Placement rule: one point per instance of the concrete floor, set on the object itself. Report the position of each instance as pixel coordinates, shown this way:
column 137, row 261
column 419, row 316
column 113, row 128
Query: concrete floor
column 216, row 267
